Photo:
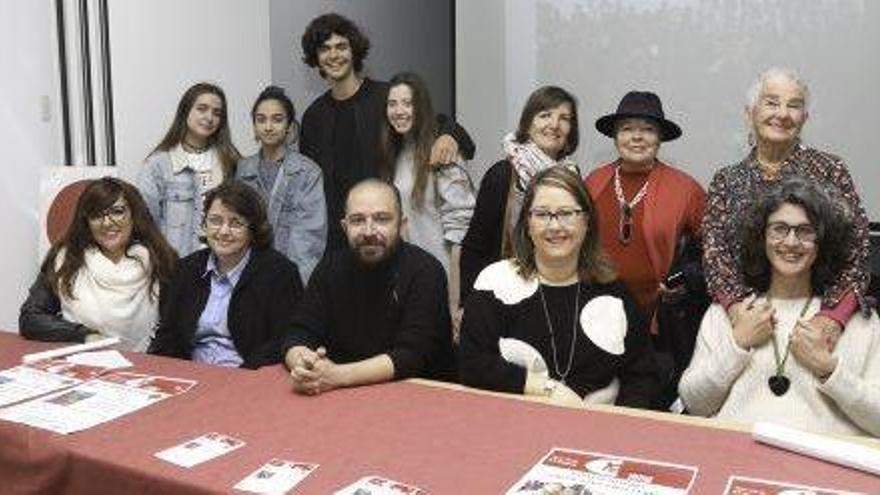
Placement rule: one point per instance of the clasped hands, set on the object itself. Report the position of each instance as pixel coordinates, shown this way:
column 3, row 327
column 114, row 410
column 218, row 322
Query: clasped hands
column 812, row 340
column 313, row 372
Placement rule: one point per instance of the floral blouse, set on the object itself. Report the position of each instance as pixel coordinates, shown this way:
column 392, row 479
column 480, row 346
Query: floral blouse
column 732, row 191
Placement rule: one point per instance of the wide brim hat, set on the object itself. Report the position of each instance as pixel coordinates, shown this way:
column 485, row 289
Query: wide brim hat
column 643, row 105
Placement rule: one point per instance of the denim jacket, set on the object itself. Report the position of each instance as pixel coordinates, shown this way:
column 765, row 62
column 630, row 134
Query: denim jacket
column 174, row 198
column 296, row 207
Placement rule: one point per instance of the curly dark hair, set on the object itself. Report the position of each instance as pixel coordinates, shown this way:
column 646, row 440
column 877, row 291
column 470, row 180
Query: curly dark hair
column 322, row 28
column 245, row 201
column 99, row 195
column 833, row 225
column 593, row 265
column 547, row 98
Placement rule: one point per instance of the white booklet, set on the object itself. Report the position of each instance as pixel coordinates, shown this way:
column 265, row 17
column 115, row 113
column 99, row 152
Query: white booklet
column 376, row 485
column 276, row 476
column 741, row 485
column 200, row 449
column 581, row 473
column 32, row 380
column 94, row 402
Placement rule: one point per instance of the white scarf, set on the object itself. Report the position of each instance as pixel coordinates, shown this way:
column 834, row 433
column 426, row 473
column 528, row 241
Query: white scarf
column 114, row 298
column 527, row 159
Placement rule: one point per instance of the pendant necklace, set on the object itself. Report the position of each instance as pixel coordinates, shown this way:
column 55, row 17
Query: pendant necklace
column 779, row 383
column 562, row 375
column 625, row 226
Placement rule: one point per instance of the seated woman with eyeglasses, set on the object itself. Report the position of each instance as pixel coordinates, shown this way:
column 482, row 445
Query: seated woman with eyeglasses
column 103, row 277
column 769, row 364
column 230, row 303
column 553, row 321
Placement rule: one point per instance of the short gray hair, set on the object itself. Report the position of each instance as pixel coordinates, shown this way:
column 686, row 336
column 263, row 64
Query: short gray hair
column 773, row 72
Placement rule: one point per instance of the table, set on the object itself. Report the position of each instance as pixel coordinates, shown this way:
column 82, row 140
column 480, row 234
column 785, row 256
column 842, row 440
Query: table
column 443, row 439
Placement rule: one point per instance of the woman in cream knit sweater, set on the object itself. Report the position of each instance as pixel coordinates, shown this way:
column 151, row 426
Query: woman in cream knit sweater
column 768, row 363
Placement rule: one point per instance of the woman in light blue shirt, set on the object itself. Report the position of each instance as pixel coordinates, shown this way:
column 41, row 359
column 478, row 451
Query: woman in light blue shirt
column 289, row 183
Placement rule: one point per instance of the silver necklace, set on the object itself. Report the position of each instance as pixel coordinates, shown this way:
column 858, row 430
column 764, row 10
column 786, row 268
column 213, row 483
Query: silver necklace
column 562, row 376
column 625, row 226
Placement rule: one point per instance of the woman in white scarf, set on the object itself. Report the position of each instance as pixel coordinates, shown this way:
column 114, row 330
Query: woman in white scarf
column 102, row 278
column 547, row 135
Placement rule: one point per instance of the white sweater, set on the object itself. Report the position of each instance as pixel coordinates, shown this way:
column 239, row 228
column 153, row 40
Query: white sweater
column 725, row 381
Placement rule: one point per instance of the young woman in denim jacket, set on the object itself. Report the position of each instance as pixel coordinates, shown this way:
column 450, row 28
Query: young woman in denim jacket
column 195, row 156
column 290, row 183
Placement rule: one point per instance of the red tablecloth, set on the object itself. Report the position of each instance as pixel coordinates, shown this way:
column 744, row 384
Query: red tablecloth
column 445, row 441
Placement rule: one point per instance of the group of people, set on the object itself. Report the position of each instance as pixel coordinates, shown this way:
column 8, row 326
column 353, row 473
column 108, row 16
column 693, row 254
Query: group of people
column 368, row 255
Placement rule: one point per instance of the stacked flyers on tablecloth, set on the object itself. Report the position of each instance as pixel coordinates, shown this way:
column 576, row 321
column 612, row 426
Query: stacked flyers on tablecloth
column 740, row 485
column 376, row 485
column 579, row 473
column 95, row 401
column 33, row 380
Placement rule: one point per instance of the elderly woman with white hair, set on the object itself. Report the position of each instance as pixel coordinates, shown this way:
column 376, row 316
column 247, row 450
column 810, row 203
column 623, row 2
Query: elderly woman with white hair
column 776, row 111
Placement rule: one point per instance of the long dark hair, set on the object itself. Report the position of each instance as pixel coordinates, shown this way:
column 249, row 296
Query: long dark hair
column 422, row 134
column 97, row 197
column 834, row 233
column 220, row 140
column 593, row 265
column 547, row 98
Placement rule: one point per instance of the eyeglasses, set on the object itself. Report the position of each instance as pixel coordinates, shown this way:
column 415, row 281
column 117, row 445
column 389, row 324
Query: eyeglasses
column 625, row 227
column 565, row 216
column 216, row 222
column 116, row 214
column 358, row 220
column 779, row 231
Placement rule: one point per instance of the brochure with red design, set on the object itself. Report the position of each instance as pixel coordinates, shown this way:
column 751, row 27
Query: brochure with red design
column 42, row 377
column 376, row 485
column 94, row 402
column 741, row 485
column 276, row 476
column 575, row 472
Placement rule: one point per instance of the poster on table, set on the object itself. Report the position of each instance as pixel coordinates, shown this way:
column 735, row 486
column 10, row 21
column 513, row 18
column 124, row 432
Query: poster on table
column 96, row 401
column 573, row 472
column 28, row 381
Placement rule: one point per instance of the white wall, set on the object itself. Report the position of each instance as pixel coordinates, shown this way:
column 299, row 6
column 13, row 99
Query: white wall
column 699, row 55
column 161, row 47
column 30, row 130
column 158, row 49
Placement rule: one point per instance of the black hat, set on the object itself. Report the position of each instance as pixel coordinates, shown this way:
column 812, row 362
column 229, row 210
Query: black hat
column 644, row 105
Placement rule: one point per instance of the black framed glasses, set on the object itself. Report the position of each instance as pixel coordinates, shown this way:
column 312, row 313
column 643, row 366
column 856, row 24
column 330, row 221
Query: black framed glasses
column 564, row 216
column 116, row 214
column 804, row 233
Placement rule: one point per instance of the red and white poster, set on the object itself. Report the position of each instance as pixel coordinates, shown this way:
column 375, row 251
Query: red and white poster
column 573, row 472
column 740, row 485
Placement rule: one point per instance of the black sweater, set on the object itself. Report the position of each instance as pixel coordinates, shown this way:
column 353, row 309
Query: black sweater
column 259, row 314
column 487, row 319
column 399, row 308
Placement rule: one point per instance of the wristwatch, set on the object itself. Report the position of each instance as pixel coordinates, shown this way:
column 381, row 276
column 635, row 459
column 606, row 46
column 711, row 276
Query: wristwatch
column 549, row 386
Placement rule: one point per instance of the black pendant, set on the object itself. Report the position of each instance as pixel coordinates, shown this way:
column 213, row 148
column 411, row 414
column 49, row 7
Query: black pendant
column 779, row 384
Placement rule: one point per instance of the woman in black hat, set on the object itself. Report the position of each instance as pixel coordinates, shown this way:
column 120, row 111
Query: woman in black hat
column 646, row 208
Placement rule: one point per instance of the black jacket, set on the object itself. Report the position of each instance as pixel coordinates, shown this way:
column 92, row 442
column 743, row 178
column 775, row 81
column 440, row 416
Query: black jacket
column 259, row 313
column 40, row 316
column 481, row 245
